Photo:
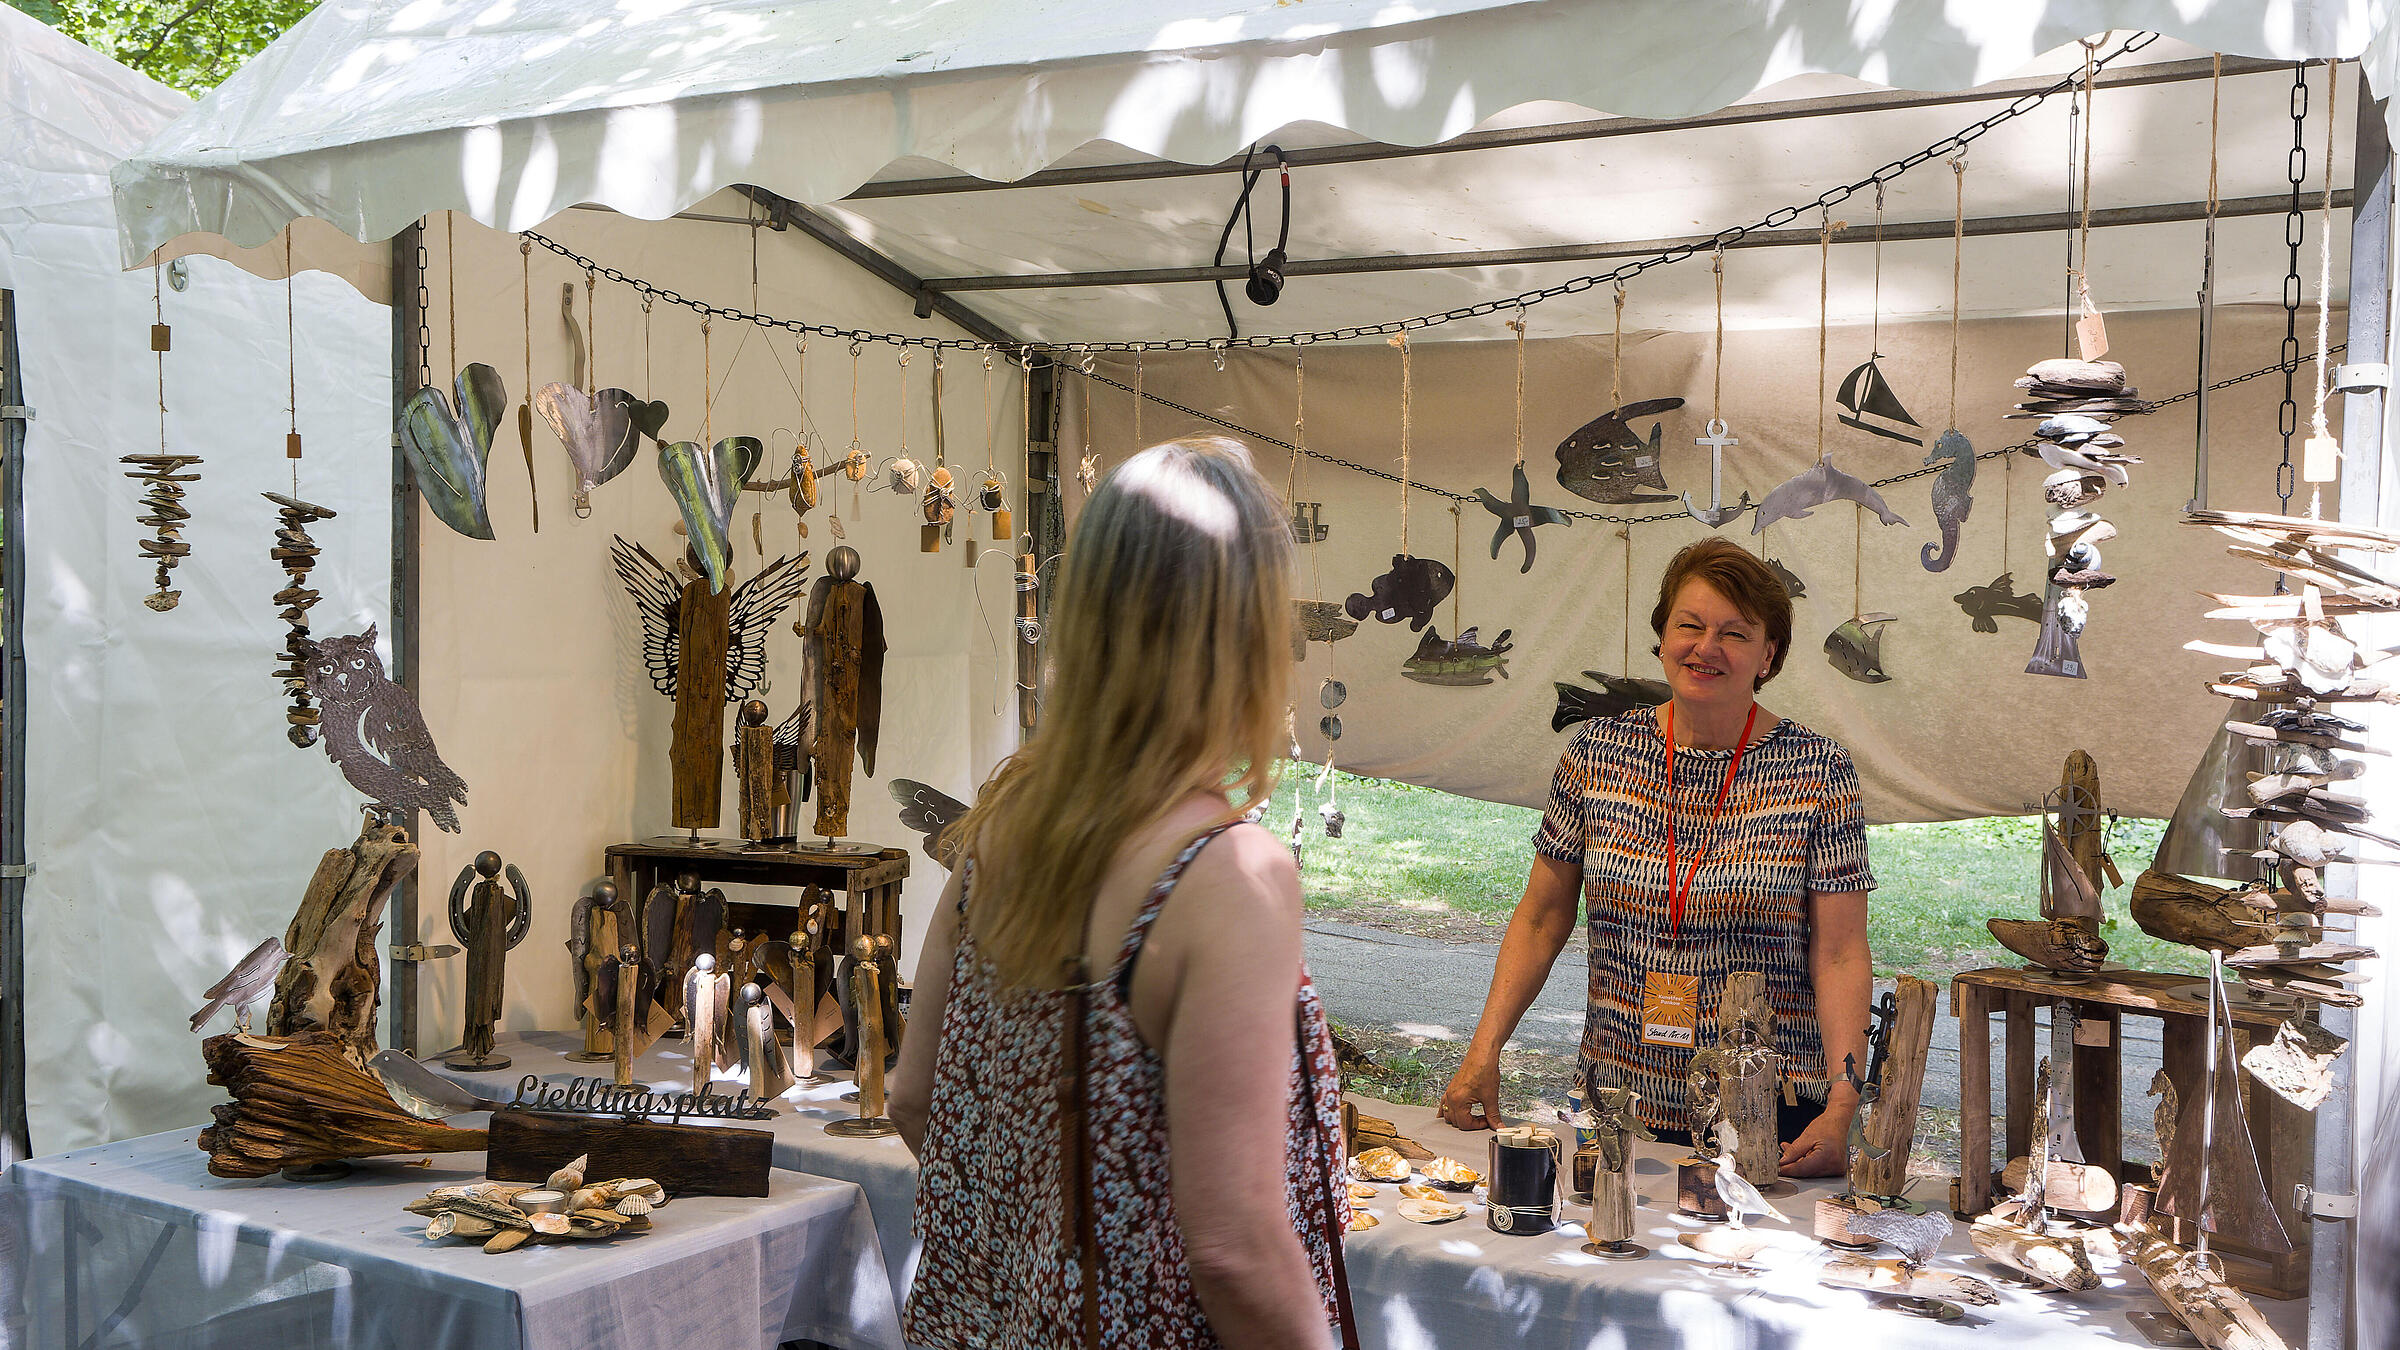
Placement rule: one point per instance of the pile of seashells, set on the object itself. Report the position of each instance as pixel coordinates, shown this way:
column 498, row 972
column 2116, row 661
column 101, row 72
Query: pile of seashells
column 507, row 1215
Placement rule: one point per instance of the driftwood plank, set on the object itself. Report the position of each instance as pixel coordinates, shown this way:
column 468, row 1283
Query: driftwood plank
column 334, row 979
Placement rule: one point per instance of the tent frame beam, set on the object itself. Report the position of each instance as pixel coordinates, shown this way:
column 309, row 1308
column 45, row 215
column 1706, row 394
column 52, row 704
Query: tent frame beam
column 783, row 212
column 2049, row 222
column 1740, row 114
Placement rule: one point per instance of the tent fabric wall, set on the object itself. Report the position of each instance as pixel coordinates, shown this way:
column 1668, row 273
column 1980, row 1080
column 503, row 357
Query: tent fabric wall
column 530, row 653
column 1960, row 730
column 170, row 823
column 371, row 115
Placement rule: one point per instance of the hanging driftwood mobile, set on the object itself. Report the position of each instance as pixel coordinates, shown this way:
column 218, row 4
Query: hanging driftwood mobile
column 376, row 736
column 296, row 553
column 165, row 514
column 2085, row 455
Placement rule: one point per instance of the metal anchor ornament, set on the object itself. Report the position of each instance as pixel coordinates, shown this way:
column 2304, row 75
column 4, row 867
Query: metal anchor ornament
column 1717, row 512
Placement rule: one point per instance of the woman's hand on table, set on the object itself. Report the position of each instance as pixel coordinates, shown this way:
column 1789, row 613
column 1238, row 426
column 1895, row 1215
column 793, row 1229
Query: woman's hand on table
column 1477, row 1083
column 1823, row 1149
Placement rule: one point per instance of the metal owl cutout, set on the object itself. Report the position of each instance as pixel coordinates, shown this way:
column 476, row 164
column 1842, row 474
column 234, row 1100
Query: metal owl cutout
column 447, row 447
column 376, row 736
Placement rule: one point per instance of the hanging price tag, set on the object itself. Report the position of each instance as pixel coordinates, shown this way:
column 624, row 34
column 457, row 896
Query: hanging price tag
column 2091, row 331
column 2320, row 460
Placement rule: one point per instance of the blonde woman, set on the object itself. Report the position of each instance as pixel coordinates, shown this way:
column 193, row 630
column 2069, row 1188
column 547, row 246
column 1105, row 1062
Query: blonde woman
column 1121, row 1089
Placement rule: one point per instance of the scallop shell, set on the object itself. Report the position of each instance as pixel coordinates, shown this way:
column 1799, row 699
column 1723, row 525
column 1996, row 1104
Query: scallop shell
column 1430, row 1211
column 570, row 1177
column 1362, row 1219
column 634, row 1206
column 1380, row 1164
column 1451, row 1174
column 1360, row 1190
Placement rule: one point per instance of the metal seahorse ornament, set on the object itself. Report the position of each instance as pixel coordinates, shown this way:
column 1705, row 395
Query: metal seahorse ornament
column 1952, row 496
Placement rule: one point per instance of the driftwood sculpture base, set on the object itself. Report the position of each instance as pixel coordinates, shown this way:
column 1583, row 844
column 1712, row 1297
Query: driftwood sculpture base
column 2066, row 1185
column 1696, row 1190
column 303, row 1100
column 1894, row 1277
column 2057, row 1259
column 1892, row 1126
column 2211, row 1309
column 334, row 979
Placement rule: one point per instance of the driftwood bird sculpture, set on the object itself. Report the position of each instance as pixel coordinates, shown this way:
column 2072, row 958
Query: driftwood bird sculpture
column 250, row 977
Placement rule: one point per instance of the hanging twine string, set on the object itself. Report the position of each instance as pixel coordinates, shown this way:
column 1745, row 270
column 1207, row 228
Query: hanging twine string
column 158, row 317
column 991, row 462
column 1291, row 473
column 525, row 302
column 1625, row 666
column 708, row 375
column 1400, row 340
column 1517, row 326
column 1616, row 352
column 1824, row 314
column 1958, row 253
column 1458, row 573
column 2216, row 78
column 2083, row 228
column 1138, row 401
column 646, row 380
column 1716, row 389
column 291, row 367
column 855, row 444
column 902, row 380
column 2324, row 375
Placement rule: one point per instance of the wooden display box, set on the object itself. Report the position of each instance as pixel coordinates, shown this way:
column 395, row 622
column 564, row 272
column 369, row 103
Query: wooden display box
column 2284, row 1133
column 868, row 882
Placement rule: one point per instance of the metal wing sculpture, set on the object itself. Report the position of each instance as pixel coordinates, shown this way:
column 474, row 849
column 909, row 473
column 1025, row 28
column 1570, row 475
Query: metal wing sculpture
column 656, row 597
column 755, row 606
column 930, row 812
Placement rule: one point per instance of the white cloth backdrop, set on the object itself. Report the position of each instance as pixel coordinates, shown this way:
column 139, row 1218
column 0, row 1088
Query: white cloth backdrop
column 171, row 824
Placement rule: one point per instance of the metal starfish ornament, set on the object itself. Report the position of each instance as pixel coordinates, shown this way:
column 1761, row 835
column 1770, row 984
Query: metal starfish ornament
column 1518, row 516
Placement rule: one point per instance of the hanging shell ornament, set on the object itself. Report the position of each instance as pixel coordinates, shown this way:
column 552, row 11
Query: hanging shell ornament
column 705, row 484
column 904, row 476
column 855, row 465
column 447, row 448
column 941, row 506
column 804, row 480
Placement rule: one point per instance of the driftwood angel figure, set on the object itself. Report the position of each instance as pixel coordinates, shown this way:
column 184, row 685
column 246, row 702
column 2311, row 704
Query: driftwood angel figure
column 488, row 916
column 844, row 652
column 704, row 649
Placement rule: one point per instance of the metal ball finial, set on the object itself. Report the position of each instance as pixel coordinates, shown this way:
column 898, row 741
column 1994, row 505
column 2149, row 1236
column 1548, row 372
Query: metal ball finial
column 487, row 863
column 842, row 562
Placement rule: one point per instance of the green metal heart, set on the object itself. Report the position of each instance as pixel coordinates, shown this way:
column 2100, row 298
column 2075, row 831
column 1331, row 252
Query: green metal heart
column 706, row 484
column 447, row 450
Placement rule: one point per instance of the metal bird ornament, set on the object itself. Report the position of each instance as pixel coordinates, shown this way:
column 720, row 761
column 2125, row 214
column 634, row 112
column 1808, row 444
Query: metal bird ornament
column 930, row 812
column 447, row 449
column 1813, row 487
column 1604, row 461
column 241, row 986
column 1518, row 516
column 1741, row 1198
column 1953, row 496
column 1408, row 593
column 1318, row 621
column 706, row 483
column 374, row 733
column 1917, row 1234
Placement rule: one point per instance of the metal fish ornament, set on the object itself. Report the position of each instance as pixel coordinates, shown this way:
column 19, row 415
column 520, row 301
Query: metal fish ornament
column 705, row 484
column 1793, row 586
column 1616, row 694
column 1604, row 461
column 1813, row 487
column 1408, row 592
column 1462, row 660
column 599, row 431
column 1856, row 648
column 448, row 449
column 1997, row 599
column 1953, row 496
column 1318, row 621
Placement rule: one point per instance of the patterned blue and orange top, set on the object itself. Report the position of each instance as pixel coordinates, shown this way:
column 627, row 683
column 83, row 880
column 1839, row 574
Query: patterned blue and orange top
column 1791, row 825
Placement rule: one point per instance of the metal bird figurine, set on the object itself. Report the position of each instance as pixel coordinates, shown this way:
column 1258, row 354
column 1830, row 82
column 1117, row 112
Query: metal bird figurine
column 1741, row 1198
column 250, row 977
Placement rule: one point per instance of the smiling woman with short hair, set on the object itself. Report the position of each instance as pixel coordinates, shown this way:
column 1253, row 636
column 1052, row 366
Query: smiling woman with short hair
column 1706, row 835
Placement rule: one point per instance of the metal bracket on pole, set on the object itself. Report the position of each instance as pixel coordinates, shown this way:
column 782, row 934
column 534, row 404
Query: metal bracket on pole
column 2362, row 378
column 15, row 871
column 15, row 412
column 2317, row 1204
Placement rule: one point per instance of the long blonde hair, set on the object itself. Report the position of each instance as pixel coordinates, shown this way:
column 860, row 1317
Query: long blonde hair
column 1170, row 671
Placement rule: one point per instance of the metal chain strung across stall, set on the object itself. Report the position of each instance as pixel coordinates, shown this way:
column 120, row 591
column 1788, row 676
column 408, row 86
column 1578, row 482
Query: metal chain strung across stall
column 1951, row 145
column 2295, row 225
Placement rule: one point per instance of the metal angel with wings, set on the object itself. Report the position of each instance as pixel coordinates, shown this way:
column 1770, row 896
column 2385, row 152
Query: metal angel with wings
column 704, row 650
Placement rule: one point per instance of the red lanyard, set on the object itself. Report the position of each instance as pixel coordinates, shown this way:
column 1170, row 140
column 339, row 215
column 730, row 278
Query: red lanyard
column 1678, row 892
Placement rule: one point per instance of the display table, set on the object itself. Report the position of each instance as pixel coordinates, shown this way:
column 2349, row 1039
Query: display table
column 134, row 1243
column 867, row 878
column 1461, row 1284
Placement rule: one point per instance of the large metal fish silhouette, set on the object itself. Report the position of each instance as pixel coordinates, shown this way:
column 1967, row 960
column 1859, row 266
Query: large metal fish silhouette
column 706, row 484
column 1407, row 593
column 1814, row 486
column 1604, row 461
column 1989, row 603
column 1461, row 660
column 447, row 449
column 1856, row 648
column 1616, row 694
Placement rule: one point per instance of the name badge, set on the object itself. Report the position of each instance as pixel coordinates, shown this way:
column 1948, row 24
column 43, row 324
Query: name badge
column 1670, row 1009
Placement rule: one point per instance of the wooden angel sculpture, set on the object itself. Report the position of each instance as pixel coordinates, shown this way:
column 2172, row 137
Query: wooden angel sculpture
column 600, row 923
column 626, row 997
column 375, row 735
column 844, row 649
column 762, row 1053
column 754, row 746
column 1616, row 1125
column 699, row 926
column 707, row 998
column 487, row 917
column 703, row 649
column 868, row 994
column 662, row 928
column 807, row 983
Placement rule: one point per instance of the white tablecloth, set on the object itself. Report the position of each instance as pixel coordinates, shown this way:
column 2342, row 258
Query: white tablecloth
column 134, row 1243
column 1418, row 1287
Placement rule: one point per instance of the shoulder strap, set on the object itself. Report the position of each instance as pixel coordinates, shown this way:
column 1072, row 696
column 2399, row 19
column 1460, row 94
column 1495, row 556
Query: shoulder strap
column 1121, row 974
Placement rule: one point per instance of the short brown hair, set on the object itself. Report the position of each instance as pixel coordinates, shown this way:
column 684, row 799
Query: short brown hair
column 1739, row 576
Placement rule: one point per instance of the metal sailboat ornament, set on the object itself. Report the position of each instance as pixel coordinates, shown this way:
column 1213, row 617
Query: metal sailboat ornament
column 1869, row 404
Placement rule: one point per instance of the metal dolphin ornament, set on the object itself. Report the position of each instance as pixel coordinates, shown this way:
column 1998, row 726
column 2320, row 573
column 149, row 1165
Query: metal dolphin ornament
column 1604, row 461
column 706, row 483
column 447, row 449
column 1813, row 487
column 1855, row 648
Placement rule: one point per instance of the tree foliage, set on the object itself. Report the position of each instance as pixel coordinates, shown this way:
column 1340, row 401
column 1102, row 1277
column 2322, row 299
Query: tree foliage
column 191, row 45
